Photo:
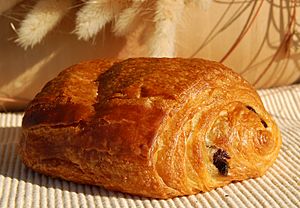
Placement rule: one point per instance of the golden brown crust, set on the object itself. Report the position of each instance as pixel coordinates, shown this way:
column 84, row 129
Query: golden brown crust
column 153, row 127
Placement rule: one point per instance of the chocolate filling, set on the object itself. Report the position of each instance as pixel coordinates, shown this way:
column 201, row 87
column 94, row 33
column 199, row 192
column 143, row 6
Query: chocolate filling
column 264, row 123
column 250, row 108
column 220, row 161
column 261, row 120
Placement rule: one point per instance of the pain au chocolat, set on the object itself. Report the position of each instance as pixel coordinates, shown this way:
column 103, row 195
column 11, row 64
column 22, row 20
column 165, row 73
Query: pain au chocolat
column 153, row 127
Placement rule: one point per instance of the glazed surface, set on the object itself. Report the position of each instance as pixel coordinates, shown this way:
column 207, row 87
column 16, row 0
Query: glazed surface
column 155, row 127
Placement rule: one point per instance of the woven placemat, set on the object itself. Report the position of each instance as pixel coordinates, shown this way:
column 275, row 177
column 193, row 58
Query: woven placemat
column 280, row 187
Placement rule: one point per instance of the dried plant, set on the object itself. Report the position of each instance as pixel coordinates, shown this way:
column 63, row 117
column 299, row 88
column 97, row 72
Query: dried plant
column 161, row 17
column 93, row 15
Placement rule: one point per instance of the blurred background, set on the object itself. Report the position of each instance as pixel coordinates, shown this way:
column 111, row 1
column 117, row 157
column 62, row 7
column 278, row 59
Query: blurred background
column 258, row 39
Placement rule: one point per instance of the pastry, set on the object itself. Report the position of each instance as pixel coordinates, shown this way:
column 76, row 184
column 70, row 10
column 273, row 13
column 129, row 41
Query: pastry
column 154, row 127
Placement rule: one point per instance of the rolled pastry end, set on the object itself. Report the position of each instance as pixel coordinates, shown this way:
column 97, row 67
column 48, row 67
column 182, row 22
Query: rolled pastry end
column 242, row 143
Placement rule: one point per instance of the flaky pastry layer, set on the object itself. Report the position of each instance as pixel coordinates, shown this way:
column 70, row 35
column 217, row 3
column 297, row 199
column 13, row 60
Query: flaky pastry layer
column 154, row 127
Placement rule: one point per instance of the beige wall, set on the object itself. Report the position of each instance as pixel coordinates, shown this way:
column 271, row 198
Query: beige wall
column 201, row 33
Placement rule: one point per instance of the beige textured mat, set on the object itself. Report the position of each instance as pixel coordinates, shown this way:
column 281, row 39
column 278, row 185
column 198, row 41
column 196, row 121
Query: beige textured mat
column 280, row 187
